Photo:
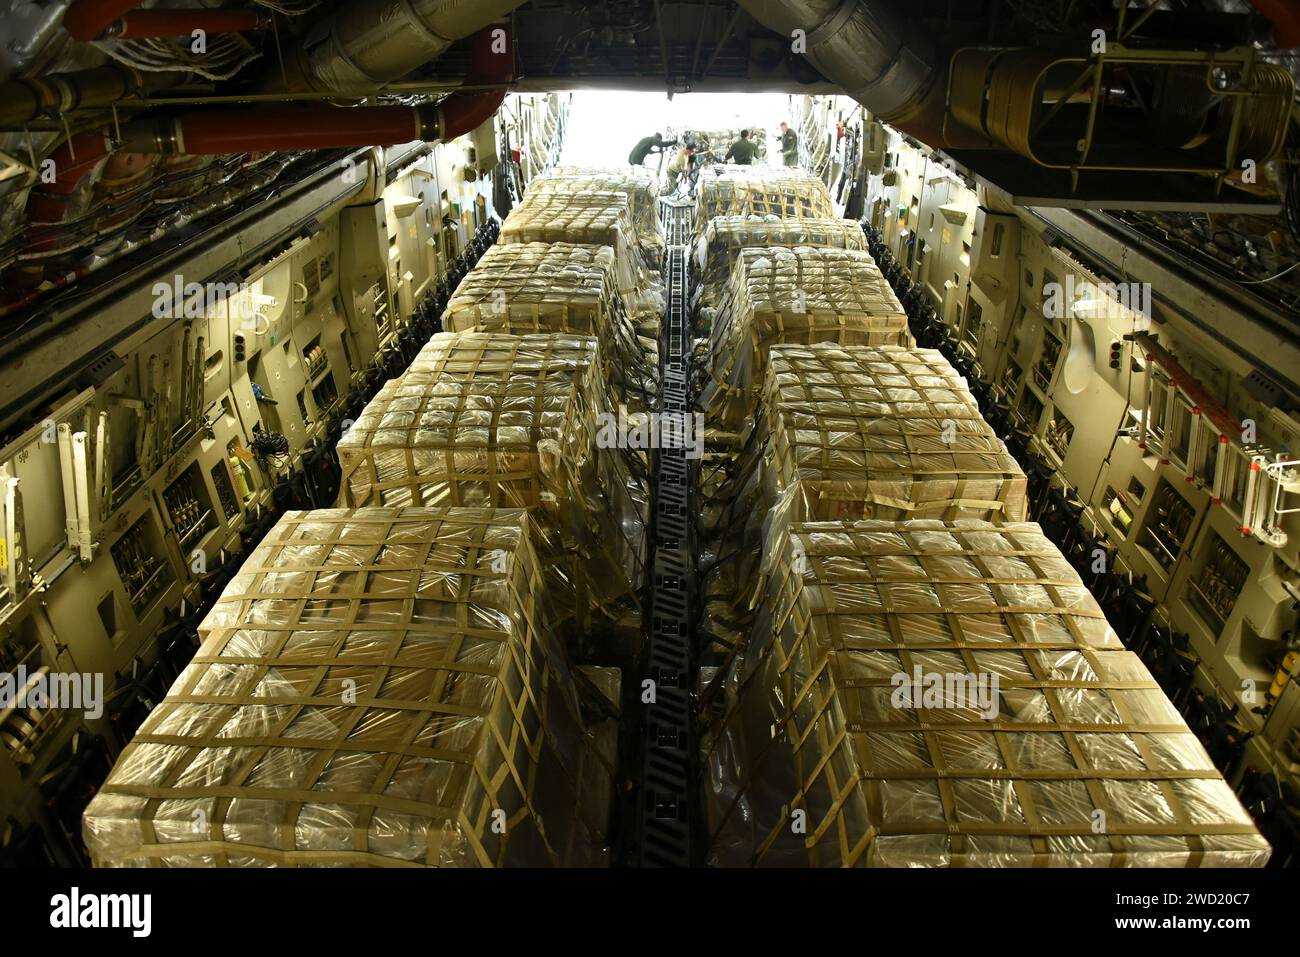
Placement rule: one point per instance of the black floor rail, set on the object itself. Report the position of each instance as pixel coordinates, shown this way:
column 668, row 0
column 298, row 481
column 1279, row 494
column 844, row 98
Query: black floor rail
column 666, row 796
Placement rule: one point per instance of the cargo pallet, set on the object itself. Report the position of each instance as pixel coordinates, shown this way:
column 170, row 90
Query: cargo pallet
column 666, row 812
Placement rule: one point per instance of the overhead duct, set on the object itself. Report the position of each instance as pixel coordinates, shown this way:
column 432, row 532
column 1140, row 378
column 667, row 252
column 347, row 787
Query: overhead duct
column 76, row 162
column 321, row 126
column 874, row 51
column 87, row 20
column 364, row 46
column 1196, row 111
column 1284, row 15
column 1201, row 112
column 183, row 22
column 24, row 100
column 261, row 129
column 370, row 44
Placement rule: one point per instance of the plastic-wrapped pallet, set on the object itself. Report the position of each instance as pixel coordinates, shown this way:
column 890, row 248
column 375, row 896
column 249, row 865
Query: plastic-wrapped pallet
column 376, row 687
column 556, row 287
column 926, row 694
column 781, row 191
column 884, row 432
column 639, row 184
column 725, row 236
column 501, row 421
column 889, row 432
column 800, row 295
column 601, row 218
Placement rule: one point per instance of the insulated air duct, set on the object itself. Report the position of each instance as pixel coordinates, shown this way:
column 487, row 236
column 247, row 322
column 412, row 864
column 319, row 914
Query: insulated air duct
column 87, row 20
column 260, row 129
column 367, row 44
column 277, row 127
column 372, row 43
column 874, row 51
column 1284, row 15
column 25, row 100
column 183, row 22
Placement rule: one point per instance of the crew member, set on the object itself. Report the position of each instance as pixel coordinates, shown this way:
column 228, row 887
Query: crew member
column 679, row 166
column 789, row 145
column 648, row 145
column 743, row 150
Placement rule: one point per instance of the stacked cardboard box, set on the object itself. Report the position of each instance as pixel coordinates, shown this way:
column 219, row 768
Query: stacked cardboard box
column 725, row 236
column 800, row 295
column 494, row 420
column 889, row 432
column 784, row 192
column 375, row 687
column 594, row 217
column 640, row 185
column 556, row 287
column 924, row 693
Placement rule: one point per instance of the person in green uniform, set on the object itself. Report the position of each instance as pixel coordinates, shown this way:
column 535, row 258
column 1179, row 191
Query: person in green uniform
column 789, row 145
column 743, row 150
column 648, row 145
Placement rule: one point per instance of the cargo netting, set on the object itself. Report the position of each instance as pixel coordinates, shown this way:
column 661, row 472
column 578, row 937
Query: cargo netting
column 887, row 432
column 601, row 218
column 781, row 191
column 924, row 694
column 800, row 295
column 375, row 687
column 725, row 236
column 640, row 185
column 557, row 287
column 500, row 421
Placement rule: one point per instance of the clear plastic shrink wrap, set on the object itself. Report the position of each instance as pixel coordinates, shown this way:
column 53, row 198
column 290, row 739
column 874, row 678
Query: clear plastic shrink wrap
column 494, row 420
column 889, row 432
column 725, row 236
column 375, row 687
column 865, row 702
column 556, row 287
column 886, row 432
column 800, row 295
column 782, row 191
column 591, row 217
column 640, row 185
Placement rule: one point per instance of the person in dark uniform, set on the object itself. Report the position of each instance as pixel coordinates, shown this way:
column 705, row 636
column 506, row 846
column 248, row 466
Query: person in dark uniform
column 648, row 145
column 789, row 145
column 742, row 151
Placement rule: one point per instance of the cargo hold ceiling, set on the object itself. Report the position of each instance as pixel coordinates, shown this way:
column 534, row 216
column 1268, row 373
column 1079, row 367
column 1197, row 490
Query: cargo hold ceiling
column 151, row 111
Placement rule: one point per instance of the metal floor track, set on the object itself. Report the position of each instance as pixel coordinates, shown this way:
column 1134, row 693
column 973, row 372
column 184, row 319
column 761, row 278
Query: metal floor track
column 666, row 803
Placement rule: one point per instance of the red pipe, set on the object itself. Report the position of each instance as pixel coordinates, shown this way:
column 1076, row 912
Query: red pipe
column 182, row 23
column 260, row 129
column 271, row 128
column 87, row 20
column 49, row 204
column 491, row 61
column 257, row 129
column 1285, row 17
column 74, row 161
column 463, row 113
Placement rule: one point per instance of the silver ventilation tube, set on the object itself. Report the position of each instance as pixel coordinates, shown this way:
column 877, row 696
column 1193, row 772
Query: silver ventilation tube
column 874, row 51
column 371, row 42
